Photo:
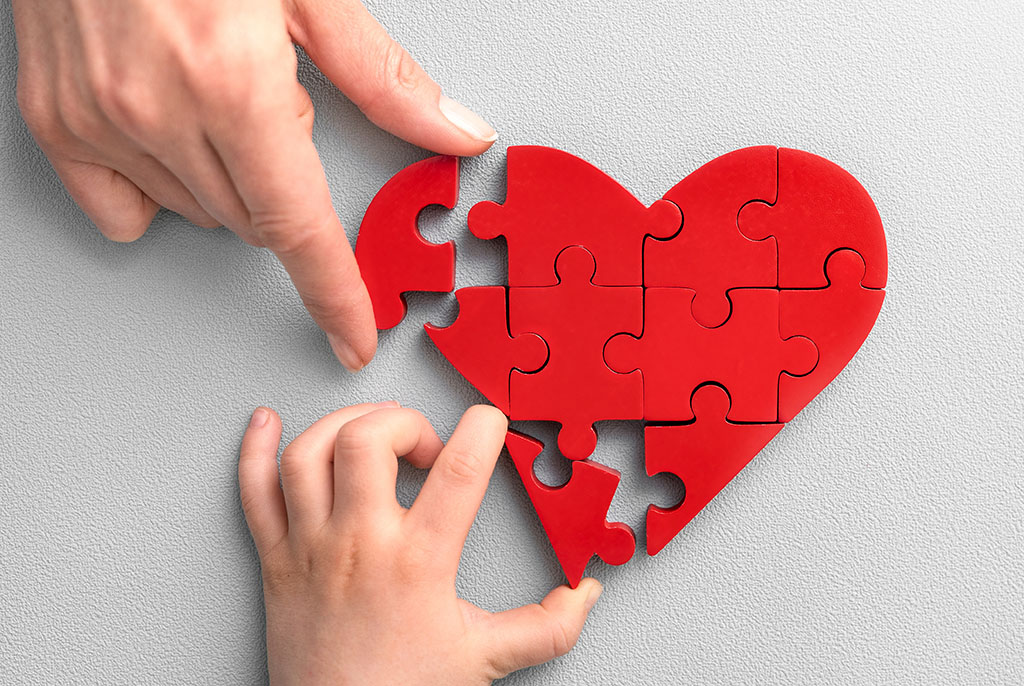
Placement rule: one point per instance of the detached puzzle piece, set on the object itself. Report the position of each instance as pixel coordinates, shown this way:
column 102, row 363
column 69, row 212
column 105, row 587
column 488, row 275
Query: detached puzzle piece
column 837, row 318
column 575, row 318
column 820, row 208
column 746, row 354
column 705, row 455
column 555, row 200
column 393, row 257
column 574, row 515
column 478, row 343
column 709, row 254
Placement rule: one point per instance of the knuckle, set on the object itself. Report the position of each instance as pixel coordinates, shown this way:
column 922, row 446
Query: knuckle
column 331, row 566
column 37, row 109
column 355, row 437
column 127, row 102
column 280, row 573
column 221, row 80
column 250, row 501
column 400, row 70
column 80, row 123
column 397, row 72
column 293, row 463
column 288, row 233
column 562, row 639
column 462, row 466
column 229, row 70
column 325, row 564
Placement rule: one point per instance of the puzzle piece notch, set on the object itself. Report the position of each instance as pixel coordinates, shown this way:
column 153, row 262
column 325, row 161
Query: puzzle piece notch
column 555, row 200
column 676, row 354
column 574, row 516
column 820, row 208
column 709, row 254
column 705, row 454
column 393, row 256
column 575, row 318
column 479, row 346
column 837, row 318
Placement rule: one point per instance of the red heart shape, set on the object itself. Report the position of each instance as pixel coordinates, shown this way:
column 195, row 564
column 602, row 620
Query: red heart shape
column 715, row 315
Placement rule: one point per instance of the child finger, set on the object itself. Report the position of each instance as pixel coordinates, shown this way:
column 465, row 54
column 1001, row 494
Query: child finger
column 448, row 503
column 259, row 489
column 307, row 467
column 366, row 459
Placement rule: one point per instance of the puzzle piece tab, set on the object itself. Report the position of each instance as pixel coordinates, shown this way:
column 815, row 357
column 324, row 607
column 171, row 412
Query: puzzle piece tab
column 574, row 515
column 478, row 343
column 575, row 318
column 709, row 254
column 393, row 257
column 705, row 455
column 746, row 354
column 837, row 319
column 820, row 208
column 555, row 200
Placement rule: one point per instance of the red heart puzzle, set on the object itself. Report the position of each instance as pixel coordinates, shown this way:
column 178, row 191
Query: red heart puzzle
column 714, row 315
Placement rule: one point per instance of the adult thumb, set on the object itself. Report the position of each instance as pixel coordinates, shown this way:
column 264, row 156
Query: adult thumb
column 533, row 634
column 356, row 53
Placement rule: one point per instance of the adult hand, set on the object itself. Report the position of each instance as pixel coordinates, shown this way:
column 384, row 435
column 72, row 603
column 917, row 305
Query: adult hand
column 359, row 590
column 194, row 105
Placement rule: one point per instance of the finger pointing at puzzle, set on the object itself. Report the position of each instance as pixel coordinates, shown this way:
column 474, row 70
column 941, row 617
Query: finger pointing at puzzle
column 195, row 106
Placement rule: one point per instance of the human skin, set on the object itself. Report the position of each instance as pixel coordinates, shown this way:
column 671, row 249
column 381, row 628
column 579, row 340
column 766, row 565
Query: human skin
column 359, row 590
column 194, row 105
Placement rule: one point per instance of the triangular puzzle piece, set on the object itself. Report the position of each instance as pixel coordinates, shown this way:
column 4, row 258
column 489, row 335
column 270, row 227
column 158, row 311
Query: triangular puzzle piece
column 478, row 343
column 837, row 318
column 820, row 208
column 574, row 515
column 705, row 454
column 393, row 257
column 746, row 354
column 555, row 200
column 575, row 318
column 709, row 254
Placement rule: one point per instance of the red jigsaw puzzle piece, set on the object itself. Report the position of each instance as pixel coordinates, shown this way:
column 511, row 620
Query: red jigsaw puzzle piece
column 837, row 319
column 820, row 208
column 746, row 354
column 709, row 254
column 705, row 455
column 555, row 200
column 574, row 515
column 393, row 257
column 575, row 319
column 478, row 343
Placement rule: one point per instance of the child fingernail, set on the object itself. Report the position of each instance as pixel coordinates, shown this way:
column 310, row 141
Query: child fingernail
column 259, row 418
column 387, row 403
column 466, row 120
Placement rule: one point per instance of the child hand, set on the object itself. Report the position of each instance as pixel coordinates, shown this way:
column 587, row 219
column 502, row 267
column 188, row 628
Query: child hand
column 358, row 589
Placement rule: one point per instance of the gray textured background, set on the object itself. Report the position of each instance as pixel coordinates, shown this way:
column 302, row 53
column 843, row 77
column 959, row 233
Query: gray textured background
column 878, row 540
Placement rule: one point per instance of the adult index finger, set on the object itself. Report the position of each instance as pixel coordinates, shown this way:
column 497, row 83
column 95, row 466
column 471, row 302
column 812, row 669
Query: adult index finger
column 275, row 167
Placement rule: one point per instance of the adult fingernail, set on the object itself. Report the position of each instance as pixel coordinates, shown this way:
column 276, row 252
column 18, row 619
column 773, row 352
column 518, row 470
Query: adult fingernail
column 259, row 417
column 388, row 404
column 345, row 354
column 466, row 120
column 595, row 592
